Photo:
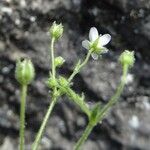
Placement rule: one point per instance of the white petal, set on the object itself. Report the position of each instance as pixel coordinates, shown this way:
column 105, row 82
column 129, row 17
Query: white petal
column 105, row 39
column 86, row 44
column 93, row 34
column 105, row 50
column 94, row 56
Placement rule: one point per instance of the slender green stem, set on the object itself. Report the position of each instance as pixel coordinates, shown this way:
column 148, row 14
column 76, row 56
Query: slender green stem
column 75, row 97
column 86, row 59
column 41, row 130
column 79, row 100
column 116, row 95
column 53, row 63
column 82, row 65
column 22, row 115
column 53, row 102
column 84, row 136
column 52, row 57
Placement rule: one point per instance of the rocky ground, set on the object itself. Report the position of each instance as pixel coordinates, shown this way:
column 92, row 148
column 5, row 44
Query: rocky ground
column 24, row 26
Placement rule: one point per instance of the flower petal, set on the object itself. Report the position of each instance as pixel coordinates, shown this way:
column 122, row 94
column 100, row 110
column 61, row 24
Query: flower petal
column 94, row 56
column 93, row 34
column 86, row 44
column 104, row 50
column 105, row 39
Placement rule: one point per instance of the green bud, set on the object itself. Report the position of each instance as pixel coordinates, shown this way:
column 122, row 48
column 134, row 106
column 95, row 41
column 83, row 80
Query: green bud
column 63, row 82
column 24, row 72
column 56, row 30
column 51, row 83
column 59, row 61
column 127, row 58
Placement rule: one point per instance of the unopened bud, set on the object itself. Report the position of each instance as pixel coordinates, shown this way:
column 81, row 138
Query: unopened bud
column 51, row 83
column 56, row 30
column 24, row 72
column 63, row 82
column 59, row 61
column 127, row 58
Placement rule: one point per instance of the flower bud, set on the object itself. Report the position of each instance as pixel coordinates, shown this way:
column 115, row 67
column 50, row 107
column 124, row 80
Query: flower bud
column 63, row 82
column 51, row 83
column 56, row 30
column 127, row 58
column 24, row 72
column 59, row 61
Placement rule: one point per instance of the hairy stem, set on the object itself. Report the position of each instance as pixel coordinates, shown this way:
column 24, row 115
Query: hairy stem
column 116, row 96
column 52, row 57
column 81, row 65
column 53, row 102
column 80, row 101
column 22, row 115
column 84, row 137
column 42, row 128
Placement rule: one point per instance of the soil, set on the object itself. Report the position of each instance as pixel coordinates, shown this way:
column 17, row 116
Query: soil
column 24, row 26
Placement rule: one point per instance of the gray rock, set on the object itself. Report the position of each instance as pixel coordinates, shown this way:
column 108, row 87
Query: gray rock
column 24, row 33
column 127, row 5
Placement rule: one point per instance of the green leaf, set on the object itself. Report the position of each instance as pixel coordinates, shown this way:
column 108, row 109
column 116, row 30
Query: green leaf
column 94, row 113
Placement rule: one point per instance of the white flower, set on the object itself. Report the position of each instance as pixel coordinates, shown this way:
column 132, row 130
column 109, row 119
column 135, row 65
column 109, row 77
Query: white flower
column 96, row 43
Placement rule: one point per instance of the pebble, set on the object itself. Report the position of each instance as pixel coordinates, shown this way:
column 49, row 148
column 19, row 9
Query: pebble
column 129, row 79
column 134, row 122
column 146, row 103
column 7, row 10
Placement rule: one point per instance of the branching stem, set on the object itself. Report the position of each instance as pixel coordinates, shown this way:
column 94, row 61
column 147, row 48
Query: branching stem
column 102, row 113
column 84, row 136
column 53, row 101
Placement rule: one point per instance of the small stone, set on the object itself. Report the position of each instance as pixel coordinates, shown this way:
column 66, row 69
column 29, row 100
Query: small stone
column 46, row 142
column 17, row 21
column 129, row 79
column 7, row 144
column 32, row 18
column 6, row 10
column 2, row 46
column 134, row 122
column 146, row 103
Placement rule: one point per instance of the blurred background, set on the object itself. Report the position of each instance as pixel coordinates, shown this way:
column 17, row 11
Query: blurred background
column 24, row 26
